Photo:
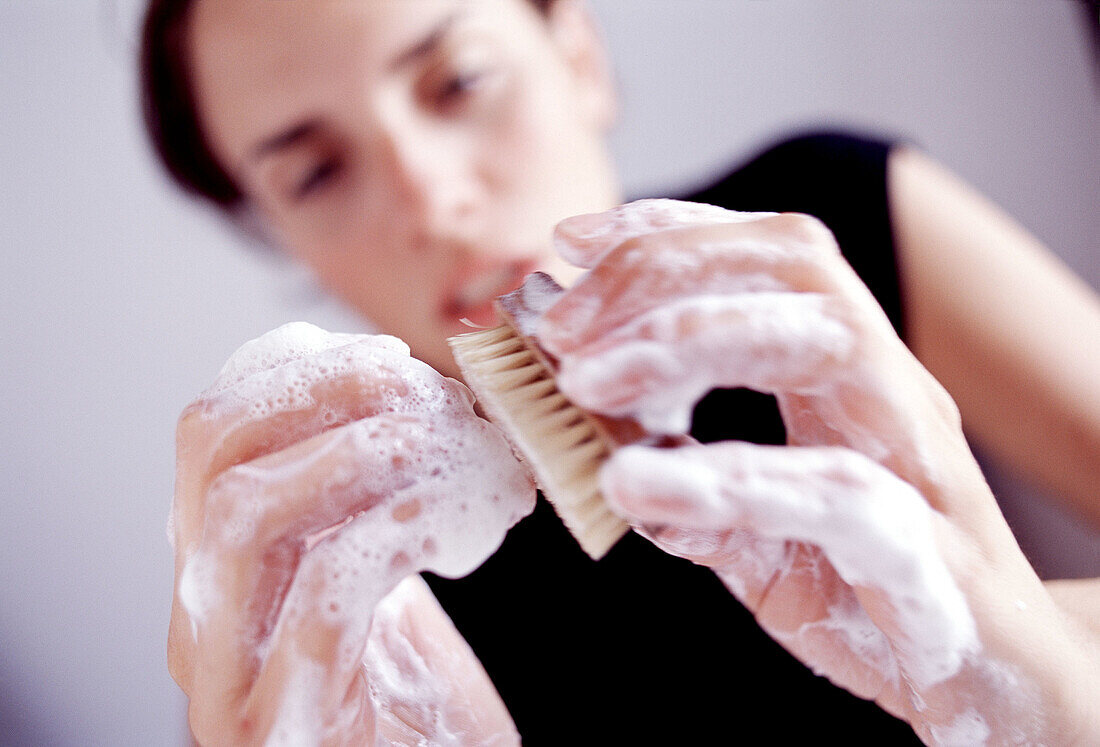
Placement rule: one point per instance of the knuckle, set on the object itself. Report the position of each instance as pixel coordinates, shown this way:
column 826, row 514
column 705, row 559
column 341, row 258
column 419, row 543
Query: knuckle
column 214, row 726
column 236, row 507
column 191, row 427
column 805, row 237
column 810, row 230
column 943, row 402
column 206, row 727
column 662, row 249
column 179, row 668
column 843, row 311
column 217, row 717
column 634, row 250
column 853, row 470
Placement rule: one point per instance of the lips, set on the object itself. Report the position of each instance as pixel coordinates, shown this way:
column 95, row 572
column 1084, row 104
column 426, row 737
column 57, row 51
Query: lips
column 476, row 286
column 480, row 315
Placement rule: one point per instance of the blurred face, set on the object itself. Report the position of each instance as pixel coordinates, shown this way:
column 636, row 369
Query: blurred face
column 416, row 154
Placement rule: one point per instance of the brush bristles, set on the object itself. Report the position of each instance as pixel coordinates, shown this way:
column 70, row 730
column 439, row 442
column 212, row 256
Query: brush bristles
column 560, row 441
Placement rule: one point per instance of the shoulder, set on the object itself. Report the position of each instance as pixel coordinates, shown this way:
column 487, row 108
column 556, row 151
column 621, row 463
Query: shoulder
column 805, row 172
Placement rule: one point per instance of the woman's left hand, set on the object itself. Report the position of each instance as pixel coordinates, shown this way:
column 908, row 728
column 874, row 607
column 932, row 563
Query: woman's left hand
column 870, row 546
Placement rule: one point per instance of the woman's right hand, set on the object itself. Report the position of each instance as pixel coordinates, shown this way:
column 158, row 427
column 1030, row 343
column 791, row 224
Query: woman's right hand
column 870, row 546
column 316, row 474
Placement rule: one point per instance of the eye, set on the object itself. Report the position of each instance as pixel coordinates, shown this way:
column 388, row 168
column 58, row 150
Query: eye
column 458, row 86
column 317, row 178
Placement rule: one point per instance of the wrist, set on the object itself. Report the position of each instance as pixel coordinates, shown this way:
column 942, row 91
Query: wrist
column 1038, row 669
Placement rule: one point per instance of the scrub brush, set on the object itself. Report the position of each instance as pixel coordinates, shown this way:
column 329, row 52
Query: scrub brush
column 513, row 379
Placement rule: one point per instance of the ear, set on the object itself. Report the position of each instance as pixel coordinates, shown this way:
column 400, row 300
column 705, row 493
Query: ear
column 576, row 35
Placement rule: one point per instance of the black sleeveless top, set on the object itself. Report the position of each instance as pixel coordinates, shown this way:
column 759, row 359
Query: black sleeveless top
column 642, row 647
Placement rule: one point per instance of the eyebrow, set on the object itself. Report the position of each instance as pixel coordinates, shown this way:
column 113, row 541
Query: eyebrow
column 285, row 139
column 300, row 131
column 426, row 45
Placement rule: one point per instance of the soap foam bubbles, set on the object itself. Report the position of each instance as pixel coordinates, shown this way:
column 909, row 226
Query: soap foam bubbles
column 278, row 371
column 292, row 341
column 422, row 482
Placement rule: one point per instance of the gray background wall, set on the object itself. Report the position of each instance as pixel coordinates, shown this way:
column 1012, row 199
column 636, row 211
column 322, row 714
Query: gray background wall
column 121, row 300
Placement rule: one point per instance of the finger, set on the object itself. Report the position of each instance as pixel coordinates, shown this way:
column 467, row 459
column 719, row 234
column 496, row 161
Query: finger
column 271, row 394
column 658, row 366
column 447, row 525
column 285, row 344
column 747, row 563
column 258, row 520
column 798, row 598
column 821, row 619
column 413, row 642
column 875, row 530
column 584, row 240
column 317, row 647
column 283, row 388
column 242, row 417
column 781, row 252
column 393, row 474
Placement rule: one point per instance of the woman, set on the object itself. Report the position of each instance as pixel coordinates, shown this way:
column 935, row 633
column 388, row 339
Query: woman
column 416, row 156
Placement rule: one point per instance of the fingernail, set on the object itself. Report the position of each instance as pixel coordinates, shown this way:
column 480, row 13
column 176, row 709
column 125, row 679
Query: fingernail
column 581, row 227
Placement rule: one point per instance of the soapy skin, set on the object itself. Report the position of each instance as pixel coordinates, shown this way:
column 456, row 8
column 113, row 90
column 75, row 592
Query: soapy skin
column 315, row 476
column 320, row 472
column 870, row 546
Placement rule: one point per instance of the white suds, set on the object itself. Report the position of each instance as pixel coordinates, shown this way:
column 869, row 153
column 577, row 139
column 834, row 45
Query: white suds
column 680, row 351
column 412, row 478
column 642, row 217
column 299, row 714
column 968, row 729
column 668, row 318
column 874, row 529
column 292, row 341
column 198, row 590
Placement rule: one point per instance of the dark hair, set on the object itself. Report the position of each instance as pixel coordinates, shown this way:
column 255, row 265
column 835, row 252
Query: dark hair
column 1091, row 15
column 168, row 104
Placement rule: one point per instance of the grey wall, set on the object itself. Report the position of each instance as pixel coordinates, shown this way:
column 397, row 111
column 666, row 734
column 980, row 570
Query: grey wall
column 121, row 300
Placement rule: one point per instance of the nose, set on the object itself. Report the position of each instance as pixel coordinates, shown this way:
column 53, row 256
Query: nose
column 434, row 183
